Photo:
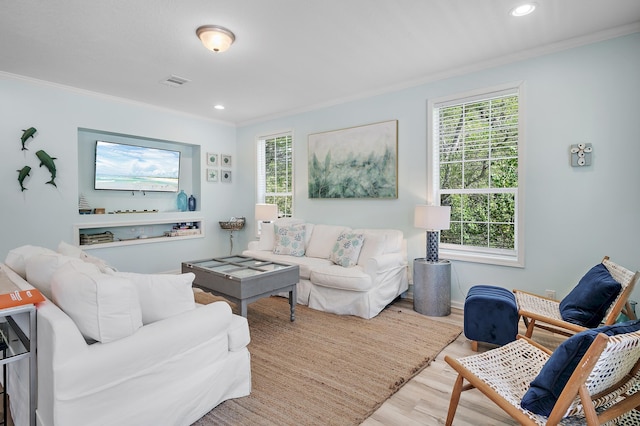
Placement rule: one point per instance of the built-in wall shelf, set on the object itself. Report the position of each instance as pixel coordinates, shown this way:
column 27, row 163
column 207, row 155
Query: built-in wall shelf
column 114, row 230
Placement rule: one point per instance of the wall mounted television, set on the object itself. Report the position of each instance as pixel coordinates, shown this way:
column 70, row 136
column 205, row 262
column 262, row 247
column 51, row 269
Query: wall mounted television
column 122, row 167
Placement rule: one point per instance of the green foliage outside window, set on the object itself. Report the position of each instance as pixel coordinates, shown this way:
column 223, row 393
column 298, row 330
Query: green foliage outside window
column 478, row 159
column 279, row 173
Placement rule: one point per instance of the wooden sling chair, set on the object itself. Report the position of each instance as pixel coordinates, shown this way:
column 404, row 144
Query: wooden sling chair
column 544, row 313
column 604, row 387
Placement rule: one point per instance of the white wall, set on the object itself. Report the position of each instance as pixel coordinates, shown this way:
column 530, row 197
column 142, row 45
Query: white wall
column 573, row 216
column 44, row 215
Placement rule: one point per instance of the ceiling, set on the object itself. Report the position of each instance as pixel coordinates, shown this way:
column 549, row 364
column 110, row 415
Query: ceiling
column 289, row 55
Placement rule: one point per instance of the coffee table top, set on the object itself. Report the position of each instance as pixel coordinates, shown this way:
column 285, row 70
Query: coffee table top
column 238, row 266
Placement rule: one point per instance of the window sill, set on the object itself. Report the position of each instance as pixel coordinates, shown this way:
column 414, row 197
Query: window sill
column 487, row 258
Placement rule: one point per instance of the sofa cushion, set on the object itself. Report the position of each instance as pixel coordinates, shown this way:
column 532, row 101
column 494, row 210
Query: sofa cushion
column 17, row 258
column 162, row 295
column 392, row 239
column 104, row 307
column 346, row 249
column 41, row 267
column 305, row 263
column 587, row 303
column 335, row 276
column 73, row 251
column 289, row 240
column 322, row 240
column 545, row 389
column 372, row 246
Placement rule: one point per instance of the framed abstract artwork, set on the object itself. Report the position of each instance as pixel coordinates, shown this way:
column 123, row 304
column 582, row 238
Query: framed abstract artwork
column 358, row 162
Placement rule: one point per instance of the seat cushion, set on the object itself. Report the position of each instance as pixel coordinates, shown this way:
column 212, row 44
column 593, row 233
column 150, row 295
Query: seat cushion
column 587, row 303
column 335, row 276
column 547, row 386
column 305, row 263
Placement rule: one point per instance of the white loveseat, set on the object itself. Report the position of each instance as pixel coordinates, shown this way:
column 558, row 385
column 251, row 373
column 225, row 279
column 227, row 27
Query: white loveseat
column 378, row 276
column 167, row 371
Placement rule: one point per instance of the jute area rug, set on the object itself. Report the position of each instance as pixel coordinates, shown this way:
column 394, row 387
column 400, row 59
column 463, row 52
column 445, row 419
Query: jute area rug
column 326, row 369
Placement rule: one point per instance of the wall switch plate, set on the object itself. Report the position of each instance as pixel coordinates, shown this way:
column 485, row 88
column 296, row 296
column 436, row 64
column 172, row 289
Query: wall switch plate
column 551, row 294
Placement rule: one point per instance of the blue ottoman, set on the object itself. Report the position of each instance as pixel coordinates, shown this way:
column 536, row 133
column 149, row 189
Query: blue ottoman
column 490, row 315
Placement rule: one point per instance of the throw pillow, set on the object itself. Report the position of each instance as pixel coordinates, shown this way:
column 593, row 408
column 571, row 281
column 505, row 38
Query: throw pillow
column 162, row 295
column 289, row 240
column 40, row 269
column 103, row 307
column 346, row 250
column 73, row 251
column 547, row 386
column 17, row 258
column 587, row 303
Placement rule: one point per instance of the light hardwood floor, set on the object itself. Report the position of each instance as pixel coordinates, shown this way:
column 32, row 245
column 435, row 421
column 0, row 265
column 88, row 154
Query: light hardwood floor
column 424, row 400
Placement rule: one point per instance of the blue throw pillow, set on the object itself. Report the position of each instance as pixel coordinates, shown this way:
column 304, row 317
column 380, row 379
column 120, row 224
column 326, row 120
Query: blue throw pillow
column 547, row 386
column 588, row 302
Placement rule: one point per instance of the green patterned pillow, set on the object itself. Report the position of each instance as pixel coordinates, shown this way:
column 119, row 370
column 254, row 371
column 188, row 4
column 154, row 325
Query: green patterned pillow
column 289, row 239
column 347, row 249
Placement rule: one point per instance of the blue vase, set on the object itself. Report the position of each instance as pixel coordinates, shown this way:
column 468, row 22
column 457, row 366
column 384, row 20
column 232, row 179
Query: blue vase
column 182, row 201
column 192, row 203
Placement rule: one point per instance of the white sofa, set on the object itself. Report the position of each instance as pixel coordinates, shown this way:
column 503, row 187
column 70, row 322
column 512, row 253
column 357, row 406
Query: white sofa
column 167, row 371
column 378, row 276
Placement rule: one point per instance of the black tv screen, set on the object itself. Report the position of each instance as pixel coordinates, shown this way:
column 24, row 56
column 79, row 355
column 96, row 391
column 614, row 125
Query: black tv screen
column 122, row 167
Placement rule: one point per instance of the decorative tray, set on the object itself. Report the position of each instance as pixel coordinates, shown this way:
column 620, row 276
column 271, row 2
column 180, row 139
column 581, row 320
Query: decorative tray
column 235, row 224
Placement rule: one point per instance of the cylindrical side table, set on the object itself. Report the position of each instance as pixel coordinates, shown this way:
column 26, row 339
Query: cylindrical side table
column 432, row 287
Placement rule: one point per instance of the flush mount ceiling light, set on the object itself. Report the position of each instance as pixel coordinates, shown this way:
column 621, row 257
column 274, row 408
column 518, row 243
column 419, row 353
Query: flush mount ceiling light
column 219, row 106
column 523, row 9
column 215, row 38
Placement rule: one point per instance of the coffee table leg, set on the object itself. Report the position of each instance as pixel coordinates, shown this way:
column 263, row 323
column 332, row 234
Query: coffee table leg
column 293, row 297
column 243, row 308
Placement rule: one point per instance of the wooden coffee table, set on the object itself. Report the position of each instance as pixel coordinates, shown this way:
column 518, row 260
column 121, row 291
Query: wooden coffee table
column 244, row 279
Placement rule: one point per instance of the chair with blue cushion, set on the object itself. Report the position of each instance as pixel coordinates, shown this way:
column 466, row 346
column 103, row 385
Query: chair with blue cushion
column 598, row 299
column 591, row 378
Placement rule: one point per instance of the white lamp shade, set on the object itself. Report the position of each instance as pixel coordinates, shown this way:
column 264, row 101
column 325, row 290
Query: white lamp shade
column 266, row 212
column 434, row 218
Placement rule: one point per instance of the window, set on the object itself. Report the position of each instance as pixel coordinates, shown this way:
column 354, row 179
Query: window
column 475, row 148
column 275, row 172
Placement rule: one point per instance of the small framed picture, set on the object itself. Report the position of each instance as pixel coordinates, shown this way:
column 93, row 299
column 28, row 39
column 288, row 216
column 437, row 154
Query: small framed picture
column 225, row 160
column 212, row 175
column 212, row 159
column 225, row 176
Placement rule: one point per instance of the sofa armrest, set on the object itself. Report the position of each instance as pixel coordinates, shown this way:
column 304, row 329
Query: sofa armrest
column 253, row 245
column 384, row 262
column 105, row 365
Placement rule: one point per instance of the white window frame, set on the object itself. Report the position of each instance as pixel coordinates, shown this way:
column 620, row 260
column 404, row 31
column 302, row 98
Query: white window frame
column 514, row 257
column 260, row 167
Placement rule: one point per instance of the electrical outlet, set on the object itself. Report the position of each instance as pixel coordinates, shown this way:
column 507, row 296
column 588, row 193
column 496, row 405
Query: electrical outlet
column 551, row 294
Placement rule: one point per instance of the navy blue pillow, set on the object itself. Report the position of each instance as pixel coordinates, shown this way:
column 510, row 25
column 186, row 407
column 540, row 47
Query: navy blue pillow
column 588, row 302
column 547, row 386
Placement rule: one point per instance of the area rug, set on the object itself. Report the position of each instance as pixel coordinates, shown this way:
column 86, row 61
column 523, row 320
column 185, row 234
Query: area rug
column 324, row 368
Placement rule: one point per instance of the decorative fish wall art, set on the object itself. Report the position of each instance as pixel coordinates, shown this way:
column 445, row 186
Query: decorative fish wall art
column 22, row 175
column 26, row 134
column 47, row 161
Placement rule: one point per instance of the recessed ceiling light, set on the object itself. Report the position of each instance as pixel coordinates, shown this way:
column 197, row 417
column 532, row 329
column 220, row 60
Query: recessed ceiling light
column 218, row 106
column 523, row 9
